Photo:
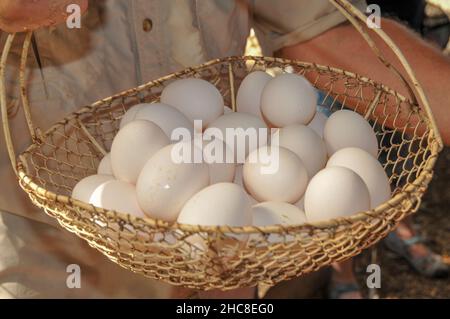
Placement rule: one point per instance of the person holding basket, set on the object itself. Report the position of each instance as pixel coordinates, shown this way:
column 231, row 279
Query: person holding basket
column 73, row 66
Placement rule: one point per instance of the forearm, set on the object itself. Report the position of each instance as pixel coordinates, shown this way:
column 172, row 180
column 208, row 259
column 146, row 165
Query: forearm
column 26, row 15
column 344, row 48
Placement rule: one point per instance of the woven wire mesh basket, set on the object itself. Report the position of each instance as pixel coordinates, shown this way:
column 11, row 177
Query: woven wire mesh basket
column 228, row 257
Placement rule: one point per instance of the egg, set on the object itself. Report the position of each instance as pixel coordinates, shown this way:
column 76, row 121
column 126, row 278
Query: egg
column 277, row 213
column 118, row 196
column 215, row 154
column 195, row 245
column 275, row 174
column 165, row 116
column 248, row 98
column 335, row 192
column 85, row 187
column 318, row 123
column 165, row 184
column 368, row 168
column 196, row 98
column 130, row 115
column 305, row 143
column 222, row 204
column 133, row 146
column 346, row 128
column 247, row 125
column 288, row 99
column 104, row 167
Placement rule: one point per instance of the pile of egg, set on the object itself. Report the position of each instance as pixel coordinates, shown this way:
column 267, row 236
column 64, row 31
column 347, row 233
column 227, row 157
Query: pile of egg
column 328, row 166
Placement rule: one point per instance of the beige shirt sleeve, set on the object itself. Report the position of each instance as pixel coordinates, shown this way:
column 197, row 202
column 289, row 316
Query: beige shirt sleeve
column 283, row 23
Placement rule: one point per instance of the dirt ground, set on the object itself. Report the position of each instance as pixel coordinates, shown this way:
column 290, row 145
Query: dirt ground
column 398, row 280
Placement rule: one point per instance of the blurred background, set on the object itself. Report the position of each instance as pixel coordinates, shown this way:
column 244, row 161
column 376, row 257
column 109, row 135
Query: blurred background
column 430, row 19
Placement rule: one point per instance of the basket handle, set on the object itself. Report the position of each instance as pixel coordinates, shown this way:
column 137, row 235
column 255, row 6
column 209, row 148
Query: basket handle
column 417, row 94
column 34, row 132
column 357, row 19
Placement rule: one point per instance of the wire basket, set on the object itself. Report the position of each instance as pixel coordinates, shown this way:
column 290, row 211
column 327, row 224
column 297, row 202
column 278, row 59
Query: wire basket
column 228, row 257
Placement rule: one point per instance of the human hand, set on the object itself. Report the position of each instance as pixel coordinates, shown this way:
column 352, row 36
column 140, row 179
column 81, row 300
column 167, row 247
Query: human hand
column 28, row 15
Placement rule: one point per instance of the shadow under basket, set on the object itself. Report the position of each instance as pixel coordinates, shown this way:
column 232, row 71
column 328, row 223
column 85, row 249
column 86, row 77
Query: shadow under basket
column 228, row 257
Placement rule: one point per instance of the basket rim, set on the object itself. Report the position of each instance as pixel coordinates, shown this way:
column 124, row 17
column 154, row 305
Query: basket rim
column 423, row 178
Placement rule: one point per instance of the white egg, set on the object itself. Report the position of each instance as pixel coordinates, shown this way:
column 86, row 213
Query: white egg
column 368, row 168
column 165, row 184
column 118, row 196
column 85, row 187
column 224, row 204
column 130, row 115
column 305, row 143
column 335, row 192
column 196, row 98
column 288, row 99
column 248, row 98
column 165, row 116
column 247, row 125
column 215, row 154
column 318, row 123
column 104, row 167
column 133, row 146
column 275, row 174
column 346, row 128
column 277, row 213
column 195, row 245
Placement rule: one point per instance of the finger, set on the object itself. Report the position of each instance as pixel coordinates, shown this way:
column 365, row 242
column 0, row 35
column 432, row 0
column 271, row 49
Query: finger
column 22, row 16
